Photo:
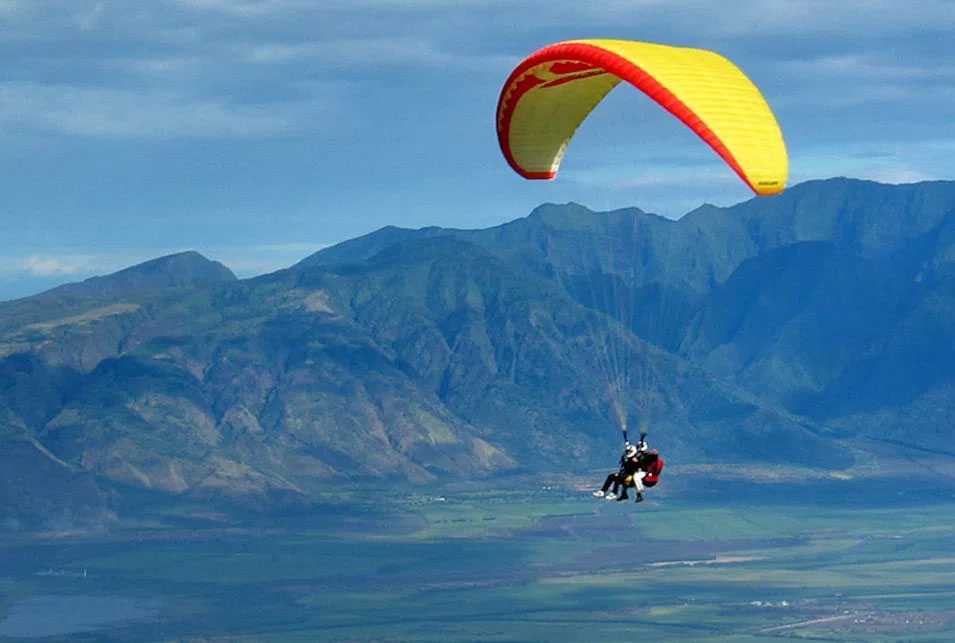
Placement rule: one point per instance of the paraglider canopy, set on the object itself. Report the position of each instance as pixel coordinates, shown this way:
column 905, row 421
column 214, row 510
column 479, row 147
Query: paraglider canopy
column 552, row 91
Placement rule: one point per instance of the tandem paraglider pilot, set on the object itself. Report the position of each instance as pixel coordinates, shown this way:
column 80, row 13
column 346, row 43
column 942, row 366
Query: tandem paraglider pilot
column 640, row 467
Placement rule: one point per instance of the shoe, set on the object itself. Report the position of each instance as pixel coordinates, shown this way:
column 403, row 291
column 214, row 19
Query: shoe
column 610, row 496
column 598, row 493
column 622, row 498
column 639, row 498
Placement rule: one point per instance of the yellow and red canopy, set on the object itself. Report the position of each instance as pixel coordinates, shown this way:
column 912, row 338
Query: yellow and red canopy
column 552, row 91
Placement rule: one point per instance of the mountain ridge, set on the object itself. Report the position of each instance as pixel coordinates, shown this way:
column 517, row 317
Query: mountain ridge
column 421, row 355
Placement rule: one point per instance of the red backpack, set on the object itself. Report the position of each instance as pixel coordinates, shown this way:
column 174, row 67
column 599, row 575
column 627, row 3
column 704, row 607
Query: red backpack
column 653, row 472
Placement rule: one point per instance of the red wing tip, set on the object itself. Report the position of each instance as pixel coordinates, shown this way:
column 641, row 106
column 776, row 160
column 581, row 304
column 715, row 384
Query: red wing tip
column 538, row 176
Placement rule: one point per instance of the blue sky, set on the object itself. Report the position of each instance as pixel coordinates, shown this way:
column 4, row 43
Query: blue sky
column 259, row 131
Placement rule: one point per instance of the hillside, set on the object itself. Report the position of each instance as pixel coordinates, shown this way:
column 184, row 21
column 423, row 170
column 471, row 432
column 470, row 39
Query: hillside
column 757, row 333
column 833, row 301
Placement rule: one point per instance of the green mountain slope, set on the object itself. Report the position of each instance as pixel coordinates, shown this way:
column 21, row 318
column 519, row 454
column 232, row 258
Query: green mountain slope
column 751, row 334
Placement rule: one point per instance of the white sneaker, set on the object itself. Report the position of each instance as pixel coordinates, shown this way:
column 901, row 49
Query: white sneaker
column 598, row 494
column 610, row 496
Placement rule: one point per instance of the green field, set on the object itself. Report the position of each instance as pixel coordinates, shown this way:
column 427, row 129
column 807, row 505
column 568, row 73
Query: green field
column 504, row 565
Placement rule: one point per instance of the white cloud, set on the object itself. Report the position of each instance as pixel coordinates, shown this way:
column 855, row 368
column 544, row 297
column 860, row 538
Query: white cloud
column 669, row 189
column 699, row 18
column 651, row 175
column 253, row 8
column 861, row 94
column 49, row 266
column 72, row 265
column 172, row 66
column 363, row 51
column 249, row 261
column 14, row 7
column 244, row 260
column 244, row 8
column 870, row 65
column 117, row 113
column 89, row 18
column 707, row 19
column 896, row 174
column 372, row 52
column 887, row 163
column 864, row 78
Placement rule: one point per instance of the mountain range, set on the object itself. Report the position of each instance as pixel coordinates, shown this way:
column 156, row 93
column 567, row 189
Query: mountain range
column 780, row 331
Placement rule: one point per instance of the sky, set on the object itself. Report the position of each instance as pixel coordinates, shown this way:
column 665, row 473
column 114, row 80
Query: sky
column 258, row 132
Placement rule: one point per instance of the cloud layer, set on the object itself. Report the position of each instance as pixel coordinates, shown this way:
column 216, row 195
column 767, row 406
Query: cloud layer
column 244, row 123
